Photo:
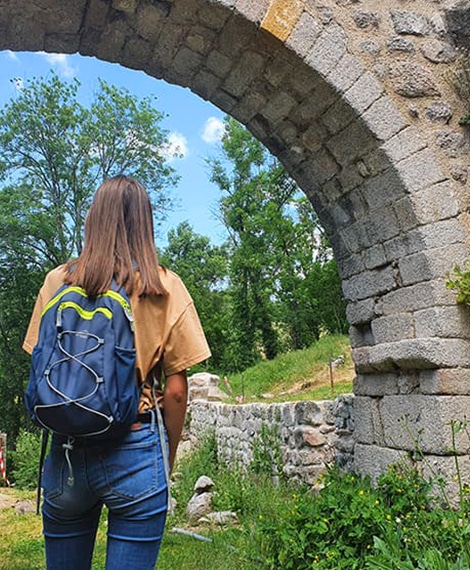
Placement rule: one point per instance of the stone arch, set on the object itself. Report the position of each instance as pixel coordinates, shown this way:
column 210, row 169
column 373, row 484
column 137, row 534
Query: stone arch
column 353, row 100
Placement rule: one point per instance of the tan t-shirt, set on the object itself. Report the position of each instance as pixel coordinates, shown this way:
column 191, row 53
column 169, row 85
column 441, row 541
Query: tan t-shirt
column 168, row 332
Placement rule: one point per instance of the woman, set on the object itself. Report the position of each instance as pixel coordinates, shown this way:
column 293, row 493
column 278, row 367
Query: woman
column 127, row 476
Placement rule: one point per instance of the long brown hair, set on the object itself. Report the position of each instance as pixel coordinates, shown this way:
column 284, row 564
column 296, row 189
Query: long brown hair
column 119, row 240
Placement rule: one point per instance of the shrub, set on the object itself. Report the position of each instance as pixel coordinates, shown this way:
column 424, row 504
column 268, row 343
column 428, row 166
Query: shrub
column 396, row 524
column 351, row 524
column 333, row 529
column 25, row 460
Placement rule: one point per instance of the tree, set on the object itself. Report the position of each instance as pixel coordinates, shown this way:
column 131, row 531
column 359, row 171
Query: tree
column 281, row 269
column 203, row 269
column 54, row 152
column 18, row 289
column 248, row 190
column 310, row 300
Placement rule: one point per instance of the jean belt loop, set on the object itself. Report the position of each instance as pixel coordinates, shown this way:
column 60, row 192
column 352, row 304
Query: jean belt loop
column 152, row 422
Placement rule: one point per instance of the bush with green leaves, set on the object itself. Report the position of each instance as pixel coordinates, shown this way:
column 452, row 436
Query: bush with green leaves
column 25, row 460
column 201, row 461
column 331, row 529
column 391, row 556
column 399, row 523
column 351, row 524
column 236, row 489
column 459, row 280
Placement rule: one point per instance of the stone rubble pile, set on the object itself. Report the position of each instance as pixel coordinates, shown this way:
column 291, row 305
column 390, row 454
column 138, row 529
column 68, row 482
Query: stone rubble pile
column 205, row 386
column 199, row 508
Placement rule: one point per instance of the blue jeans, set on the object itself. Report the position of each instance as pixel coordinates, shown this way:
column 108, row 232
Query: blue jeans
column 129, row 478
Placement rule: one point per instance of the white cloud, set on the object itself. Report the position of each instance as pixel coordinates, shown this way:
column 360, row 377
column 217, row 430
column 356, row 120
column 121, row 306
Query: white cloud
column 12, row 55
column 213, row 131
column 60, row 62
column 177, row 146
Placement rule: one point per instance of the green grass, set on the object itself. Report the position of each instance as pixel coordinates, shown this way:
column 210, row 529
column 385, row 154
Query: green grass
column 297, row 375
column 187, row 553
column 22, row 546
column 294, row 376
column 347, row 525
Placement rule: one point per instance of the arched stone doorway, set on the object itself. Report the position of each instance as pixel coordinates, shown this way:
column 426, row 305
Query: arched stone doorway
column 355, row 100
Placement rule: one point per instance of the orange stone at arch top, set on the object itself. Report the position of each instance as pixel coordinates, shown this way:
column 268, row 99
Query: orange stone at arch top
column 282, row 17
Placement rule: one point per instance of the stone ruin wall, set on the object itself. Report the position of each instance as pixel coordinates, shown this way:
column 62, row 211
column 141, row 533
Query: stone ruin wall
column 311, row 435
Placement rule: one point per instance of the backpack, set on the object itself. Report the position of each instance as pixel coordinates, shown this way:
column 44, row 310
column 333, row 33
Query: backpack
column 82, row 379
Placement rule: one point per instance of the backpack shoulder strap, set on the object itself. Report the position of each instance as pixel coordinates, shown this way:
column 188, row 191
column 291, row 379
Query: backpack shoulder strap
column 42, row 456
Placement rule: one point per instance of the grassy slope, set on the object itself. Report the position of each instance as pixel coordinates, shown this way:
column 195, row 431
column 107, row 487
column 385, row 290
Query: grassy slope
column 22, row 545
column 298, row 375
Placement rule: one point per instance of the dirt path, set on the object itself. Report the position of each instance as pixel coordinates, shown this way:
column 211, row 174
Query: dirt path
column 6, row 501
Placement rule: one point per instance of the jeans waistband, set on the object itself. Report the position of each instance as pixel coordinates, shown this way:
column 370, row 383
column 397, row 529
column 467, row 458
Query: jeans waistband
column 147, row 417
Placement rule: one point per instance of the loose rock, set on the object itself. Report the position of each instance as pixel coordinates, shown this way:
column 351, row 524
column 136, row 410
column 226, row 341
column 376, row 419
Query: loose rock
column 199, row 506
column 412, row 80
column 400, row 44
column 203, row 484
column 220, row 517
column 25, row 507
column 364, row 19
column 409, row 23
column 453, row 143
column 439, row 52
column 460, row 173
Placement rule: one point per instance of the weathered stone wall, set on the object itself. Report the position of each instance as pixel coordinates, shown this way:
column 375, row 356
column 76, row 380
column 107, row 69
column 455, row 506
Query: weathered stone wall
column 310, row 435
column 356, row 98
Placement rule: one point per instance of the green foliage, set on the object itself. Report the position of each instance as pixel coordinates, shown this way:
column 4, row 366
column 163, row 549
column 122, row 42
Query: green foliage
column 201, row 461
column 283, row 286
column 399, row 484
column 238, row 488
column 459, row 280
column 203, row 269
column 54, row 153
column 390, row 556
column 267, row 455
column 273, row 286
column 334, row 529
column 25, row 460
column 18, row 288
column 232, row 488
column 350, row 524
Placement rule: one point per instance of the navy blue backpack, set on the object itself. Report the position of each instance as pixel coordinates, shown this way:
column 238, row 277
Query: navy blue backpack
column 82, row 379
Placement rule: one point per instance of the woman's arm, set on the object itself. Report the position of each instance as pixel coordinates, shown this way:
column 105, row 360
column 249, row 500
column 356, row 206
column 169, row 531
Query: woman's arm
column 175, row 399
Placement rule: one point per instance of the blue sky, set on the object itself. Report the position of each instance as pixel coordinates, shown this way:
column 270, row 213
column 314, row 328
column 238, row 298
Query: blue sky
column 195, row 126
